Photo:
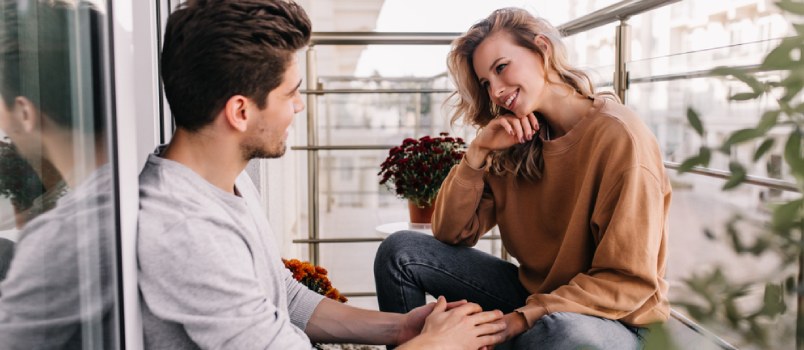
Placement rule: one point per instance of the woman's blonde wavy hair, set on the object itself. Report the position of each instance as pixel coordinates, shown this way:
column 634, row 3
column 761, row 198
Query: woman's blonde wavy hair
column 472, row 102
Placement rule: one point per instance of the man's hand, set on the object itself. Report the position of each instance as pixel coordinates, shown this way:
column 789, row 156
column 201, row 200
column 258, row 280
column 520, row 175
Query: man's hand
column 415, row 319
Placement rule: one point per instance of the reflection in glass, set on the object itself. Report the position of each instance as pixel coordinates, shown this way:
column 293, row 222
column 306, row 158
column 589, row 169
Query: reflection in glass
column 59, row 288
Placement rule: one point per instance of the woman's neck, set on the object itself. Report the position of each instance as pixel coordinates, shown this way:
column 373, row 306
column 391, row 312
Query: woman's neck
column 563, row 114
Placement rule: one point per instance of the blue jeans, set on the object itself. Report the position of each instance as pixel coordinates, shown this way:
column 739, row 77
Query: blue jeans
column 410, row 264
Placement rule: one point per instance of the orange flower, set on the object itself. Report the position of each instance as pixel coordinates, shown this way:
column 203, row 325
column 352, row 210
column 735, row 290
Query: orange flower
column 314, row 278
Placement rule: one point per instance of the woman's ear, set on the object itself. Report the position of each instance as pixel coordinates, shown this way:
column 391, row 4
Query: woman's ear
column 235, row 112
column 543, row 44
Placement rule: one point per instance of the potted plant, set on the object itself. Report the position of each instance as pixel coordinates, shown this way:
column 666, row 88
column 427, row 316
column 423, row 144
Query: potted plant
column 415, row 170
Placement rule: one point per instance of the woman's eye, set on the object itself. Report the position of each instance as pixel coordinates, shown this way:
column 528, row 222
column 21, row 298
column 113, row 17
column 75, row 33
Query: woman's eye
column 500, row 67
column 485, row 85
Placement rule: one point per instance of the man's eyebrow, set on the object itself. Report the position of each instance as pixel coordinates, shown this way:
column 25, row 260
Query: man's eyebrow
column 295, row 88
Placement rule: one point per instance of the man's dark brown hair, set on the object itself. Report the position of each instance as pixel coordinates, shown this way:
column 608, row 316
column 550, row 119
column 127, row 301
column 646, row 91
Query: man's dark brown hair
column 37, row 60
column 215, row 49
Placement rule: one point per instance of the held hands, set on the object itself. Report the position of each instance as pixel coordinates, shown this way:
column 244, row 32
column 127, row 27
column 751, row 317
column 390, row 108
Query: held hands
column 502, row 132
column 459, row 325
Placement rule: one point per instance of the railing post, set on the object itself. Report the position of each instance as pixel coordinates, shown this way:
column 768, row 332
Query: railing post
column 312, row 155
column 622, row 42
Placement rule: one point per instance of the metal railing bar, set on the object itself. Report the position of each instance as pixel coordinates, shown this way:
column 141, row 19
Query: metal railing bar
column 750, row 179
column 619, row 11
column 704, row 73
column 359, row 294
column 721, row 174
column 615, row 12
column 343, row 148
column 346, row 78
column 702, row 331
column 362, row 240
column 382, row 38
column 691, row 75
column 376, row 91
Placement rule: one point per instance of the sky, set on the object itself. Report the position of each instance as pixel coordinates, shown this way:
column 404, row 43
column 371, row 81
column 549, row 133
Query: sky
column 436, row 16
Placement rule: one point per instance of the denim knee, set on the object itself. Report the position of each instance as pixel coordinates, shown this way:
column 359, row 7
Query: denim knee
column 566, row 330
column 398, row 244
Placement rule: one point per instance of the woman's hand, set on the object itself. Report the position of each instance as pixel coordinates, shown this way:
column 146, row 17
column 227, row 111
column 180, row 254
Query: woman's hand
column 502, row 132
column 463, row 327
column 415, row 319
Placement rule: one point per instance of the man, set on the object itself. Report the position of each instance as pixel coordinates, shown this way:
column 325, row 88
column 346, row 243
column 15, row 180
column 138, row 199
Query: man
column 210, row 272
column 59, row 290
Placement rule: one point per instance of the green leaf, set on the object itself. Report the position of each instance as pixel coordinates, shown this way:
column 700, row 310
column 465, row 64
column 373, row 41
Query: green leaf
column 740, row 74
column 695, row 121
column 706, row 155
column 741, row 136
column 786, row 215
column 737, row 177
column 763, row 148
column 688, row 164
column 792, row 7
column 773, row 301
column 792, row 153
column 792, row 86
column 799, row 28
column 780, row 57
column 745, row 96
column 799, row 109
column 768, row 121
column 702, row 159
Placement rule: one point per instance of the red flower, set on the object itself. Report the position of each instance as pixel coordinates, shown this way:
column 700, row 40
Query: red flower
column 416, row 169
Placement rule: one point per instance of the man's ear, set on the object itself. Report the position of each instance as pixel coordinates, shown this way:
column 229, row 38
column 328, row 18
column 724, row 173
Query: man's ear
column 26, row 114
column 235, row 112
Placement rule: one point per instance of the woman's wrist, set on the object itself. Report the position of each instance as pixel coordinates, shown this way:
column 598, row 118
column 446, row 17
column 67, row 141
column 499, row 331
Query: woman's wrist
column 515, row 324
column 476, row 156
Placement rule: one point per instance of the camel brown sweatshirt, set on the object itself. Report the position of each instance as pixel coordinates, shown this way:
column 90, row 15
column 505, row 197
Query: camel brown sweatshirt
column 591, row 235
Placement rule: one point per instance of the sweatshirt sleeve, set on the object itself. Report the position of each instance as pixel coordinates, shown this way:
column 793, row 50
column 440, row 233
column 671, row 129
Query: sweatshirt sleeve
column 301, row 300
column 211, row 289
column 628, row 226
column 463, row 212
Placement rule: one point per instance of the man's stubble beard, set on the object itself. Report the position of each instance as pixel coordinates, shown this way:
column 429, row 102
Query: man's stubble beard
column 252, row 151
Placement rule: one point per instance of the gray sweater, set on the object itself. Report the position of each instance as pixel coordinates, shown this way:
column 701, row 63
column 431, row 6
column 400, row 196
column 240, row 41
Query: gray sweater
column 60, row 289
column 210, row 273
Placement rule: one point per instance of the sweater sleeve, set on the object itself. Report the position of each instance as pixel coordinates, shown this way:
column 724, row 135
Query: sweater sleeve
column 628, row 224
column 301, row 300
column 211, row 289
column 463, row 212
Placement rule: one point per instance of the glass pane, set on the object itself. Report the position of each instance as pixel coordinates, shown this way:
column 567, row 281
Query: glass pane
column 700, row 243
column 673, row 49
column 58, row 273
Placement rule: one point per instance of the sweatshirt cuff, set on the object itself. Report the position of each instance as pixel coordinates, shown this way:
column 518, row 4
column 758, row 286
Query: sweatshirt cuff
column 533, row 311
column 468, row 175
column 303, row 311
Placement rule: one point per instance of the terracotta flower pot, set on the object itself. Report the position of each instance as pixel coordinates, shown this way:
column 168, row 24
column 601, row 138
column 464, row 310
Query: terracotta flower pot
column 420, row 215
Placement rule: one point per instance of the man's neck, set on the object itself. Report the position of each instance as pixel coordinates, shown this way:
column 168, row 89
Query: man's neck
column 217, row 160
column 73, row 164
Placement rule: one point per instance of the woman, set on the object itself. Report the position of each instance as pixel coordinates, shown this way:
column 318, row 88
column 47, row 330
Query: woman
column 573, row 179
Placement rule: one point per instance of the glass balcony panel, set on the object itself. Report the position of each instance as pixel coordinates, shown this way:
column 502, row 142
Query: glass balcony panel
column 58, row 207
column 699, row 242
